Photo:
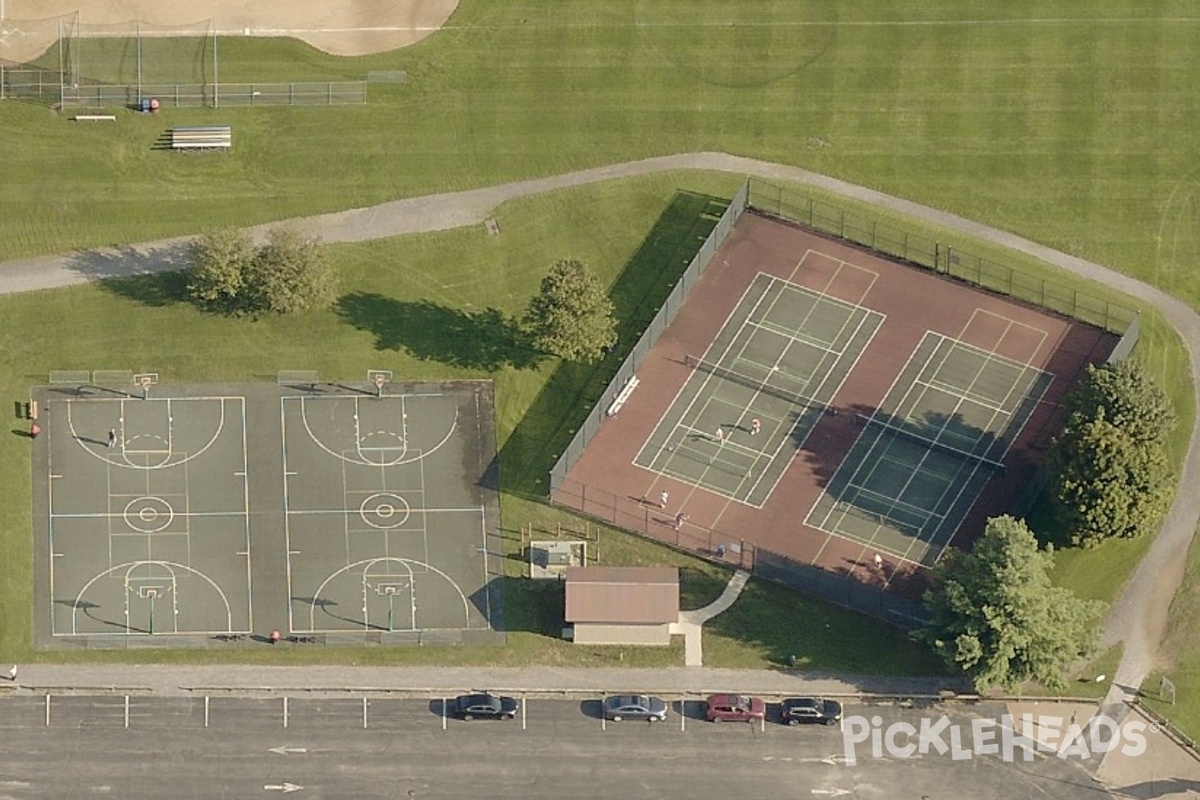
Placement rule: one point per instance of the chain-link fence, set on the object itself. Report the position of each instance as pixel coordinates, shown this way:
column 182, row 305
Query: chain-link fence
column 217, row 95
column 659, row 324
column 892, row 238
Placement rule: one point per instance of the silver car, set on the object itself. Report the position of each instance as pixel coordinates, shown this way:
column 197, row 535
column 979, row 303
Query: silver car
column 634, row 706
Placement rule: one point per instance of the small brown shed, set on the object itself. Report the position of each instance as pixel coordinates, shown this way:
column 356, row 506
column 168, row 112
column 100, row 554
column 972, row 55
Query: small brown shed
column 622, row 605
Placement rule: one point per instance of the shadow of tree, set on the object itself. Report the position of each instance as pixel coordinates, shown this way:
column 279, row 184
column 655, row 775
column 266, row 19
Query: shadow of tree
column 567, row 397
column 486, row 339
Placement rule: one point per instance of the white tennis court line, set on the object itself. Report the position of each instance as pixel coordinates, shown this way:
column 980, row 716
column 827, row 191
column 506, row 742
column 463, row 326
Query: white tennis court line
column 653, row 433
column 842, row 264
column 867, row 315
column 861, row 313
column 1011, row 323
column 926, row 545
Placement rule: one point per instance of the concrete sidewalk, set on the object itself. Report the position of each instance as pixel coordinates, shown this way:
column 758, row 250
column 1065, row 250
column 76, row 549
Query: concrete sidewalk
column 339, row 680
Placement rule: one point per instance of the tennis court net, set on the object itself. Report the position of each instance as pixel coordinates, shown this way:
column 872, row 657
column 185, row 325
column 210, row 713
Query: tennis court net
column 761, row 385
column 939, row 447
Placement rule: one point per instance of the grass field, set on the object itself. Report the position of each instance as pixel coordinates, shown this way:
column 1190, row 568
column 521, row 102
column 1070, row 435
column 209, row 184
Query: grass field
column 1071, row 124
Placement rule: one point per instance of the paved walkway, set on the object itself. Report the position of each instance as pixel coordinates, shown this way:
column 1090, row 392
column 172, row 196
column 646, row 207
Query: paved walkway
column 691, row 623
column 435, row 681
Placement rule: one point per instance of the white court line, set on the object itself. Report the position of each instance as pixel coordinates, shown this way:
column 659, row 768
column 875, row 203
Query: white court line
column 691, row 375
column 129, row 566
column 102, row 455
column 786, row 333
column 867, row 314
column 117, row 515
column 1011, row 322
column 813, row 509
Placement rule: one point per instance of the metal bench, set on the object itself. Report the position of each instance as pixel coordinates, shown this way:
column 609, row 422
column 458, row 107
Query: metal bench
column 210, row 137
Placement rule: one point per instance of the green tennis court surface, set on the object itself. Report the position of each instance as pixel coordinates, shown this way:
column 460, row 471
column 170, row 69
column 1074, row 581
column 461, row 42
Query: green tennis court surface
column 926, row 453
column 754, row 397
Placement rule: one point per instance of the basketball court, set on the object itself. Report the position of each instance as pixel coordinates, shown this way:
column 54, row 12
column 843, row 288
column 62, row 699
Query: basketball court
column 196, row 514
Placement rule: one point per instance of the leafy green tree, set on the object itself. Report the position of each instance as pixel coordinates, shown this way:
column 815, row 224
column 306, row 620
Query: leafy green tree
column 1107, row 483
column 290, row 274
column 220, row 260
column 996, row 616
column 571, row 317
column 1130, row 399
column 287, row 274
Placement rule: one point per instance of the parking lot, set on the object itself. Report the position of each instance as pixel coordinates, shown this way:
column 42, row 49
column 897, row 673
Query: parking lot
column 383, row 746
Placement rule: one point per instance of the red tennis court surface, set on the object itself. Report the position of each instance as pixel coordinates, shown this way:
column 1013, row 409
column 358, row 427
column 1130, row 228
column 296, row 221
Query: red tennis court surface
column 715, row 458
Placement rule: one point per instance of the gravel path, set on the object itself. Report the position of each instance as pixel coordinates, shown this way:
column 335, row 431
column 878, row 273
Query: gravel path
column 1139, row 617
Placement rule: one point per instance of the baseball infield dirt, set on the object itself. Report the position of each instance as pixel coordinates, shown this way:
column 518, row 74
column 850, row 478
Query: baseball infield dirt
column 347, row 28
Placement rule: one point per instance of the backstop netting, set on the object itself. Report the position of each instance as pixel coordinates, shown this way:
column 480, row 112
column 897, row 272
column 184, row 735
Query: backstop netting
column 120, row 63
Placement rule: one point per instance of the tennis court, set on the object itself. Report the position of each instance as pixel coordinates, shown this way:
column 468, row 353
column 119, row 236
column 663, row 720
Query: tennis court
column 754, row 397
column 939, row 435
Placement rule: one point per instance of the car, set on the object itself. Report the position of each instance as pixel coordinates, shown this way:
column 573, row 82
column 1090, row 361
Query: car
column 482, row 705
column 735, row 708
column 800, row 710
column 634, row 706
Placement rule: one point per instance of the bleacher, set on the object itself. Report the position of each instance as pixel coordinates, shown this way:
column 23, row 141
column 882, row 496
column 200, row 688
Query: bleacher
column 207, row 137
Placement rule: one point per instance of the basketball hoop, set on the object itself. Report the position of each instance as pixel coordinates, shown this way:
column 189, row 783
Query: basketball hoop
column 379, row 378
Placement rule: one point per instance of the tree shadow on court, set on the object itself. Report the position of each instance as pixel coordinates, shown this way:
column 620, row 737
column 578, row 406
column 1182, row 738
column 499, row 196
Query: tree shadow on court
column 486, row 340
column 153, row 276
column 573, row 389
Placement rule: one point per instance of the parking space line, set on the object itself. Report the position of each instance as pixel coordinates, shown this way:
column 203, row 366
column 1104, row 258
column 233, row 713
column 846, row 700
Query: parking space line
column 364, row 713
column 285, row 711
column 47, row 711
column 682, row 715
column 523, row 712
column 206, row 711
column 443, row 713
column 127, row 711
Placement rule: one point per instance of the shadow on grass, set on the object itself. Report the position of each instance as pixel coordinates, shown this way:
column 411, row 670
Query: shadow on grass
column 486, row 340
column 573, row 389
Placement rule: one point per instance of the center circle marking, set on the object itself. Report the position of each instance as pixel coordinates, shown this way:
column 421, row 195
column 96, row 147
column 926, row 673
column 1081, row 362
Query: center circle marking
column 385, row 510
column 148, row 514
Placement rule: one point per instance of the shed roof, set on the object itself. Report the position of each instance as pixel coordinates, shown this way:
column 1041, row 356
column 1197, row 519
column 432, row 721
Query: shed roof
column 623, row 595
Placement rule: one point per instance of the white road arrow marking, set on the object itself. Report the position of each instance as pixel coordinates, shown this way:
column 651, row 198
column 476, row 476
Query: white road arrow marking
column 831, row 792
column 284, row 787
column 287, row 751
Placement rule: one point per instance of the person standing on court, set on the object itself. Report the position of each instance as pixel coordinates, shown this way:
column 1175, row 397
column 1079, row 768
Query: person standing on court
column 755, row 426
column 112, row 438
column 662, row 500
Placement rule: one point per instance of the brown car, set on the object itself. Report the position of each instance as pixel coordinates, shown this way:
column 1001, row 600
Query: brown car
column 735, row 708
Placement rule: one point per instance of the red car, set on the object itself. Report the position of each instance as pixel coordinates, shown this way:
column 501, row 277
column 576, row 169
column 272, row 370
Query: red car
column 735, row 708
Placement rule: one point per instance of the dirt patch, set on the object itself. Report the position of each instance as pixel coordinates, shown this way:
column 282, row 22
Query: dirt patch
column 346, row 28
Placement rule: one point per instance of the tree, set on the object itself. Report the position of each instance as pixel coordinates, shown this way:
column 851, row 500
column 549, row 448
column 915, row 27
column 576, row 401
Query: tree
column 996, row 616
column 1130, row 399
column 220, row 261
column 287, row 274
column 1109, row 471
column 571, row 317
column 290, row 274
column 1107, row 483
